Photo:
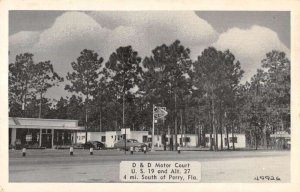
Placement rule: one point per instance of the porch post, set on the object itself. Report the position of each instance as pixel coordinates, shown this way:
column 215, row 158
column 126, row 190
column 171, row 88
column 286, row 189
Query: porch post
column 40, row 141
column 13, row 136
column 75, row 137
column 52, row 138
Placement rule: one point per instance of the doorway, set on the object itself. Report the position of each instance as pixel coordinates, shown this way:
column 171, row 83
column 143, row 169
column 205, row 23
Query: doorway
column 46, row 138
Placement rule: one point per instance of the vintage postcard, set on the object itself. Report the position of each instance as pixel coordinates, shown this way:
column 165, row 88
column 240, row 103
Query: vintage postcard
column 122, row 95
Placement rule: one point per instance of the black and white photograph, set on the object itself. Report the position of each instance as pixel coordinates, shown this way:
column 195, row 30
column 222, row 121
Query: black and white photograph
column 149, row 96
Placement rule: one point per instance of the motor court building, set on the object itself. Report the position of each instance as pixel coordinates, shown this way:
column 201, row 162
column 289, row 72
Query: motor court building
column 46, row 133
column 109, row 138
column 192, row 140
column 49, row 133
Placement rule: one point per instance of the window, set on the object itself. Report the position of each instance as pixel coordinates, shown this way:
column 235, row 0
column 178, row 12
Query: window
column 47, row 131
column 234, row 139
column 103, row 138
column 186, row 139
column 145, row 137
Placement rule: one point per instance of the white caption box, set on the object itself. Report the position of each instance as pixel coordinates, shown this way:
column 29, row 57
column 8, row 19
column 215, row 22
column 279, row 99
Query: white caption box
column 160, row 171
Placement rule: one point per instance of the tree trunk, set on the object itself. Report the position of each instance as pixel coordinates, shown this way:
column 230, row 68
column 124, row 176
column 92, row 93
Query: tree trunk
column 233, row 147
column 185, row 127
column 199, row 129
column 214, row 127
column 100, row 119
column 86, row 110
column 181, row 128
column 256, row 142
column 175, row 123
column 123, row 111
column 86, row 124
column 252, row 140
column 40, row 107
column 123, row 121
column 199, row 135
column 227, row 137
column 210, row 132
column 169, row 138
column 25, row 98
column 221, row 126
column 216, row 136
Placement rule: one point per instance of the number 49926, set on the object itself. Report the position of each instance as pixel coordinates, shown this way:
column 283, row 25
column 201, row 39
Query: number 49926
column 268, row 178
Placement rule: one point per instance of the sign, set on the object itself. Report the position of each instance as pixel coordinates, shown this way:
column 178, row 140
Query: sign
column 28, row 137
column 281, row 134
column 160, row 171
column 127, row 131
column 160, row 112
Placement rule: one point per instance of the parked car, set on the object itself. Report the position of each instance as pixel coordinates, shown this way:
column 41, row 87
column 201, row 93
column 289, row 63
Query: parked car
column 137, row 146
column 94, row 145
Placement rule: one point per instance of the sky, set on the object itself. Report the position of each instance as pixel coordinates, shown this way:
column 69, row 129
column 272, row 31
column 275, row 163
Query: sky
column 60, row 36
